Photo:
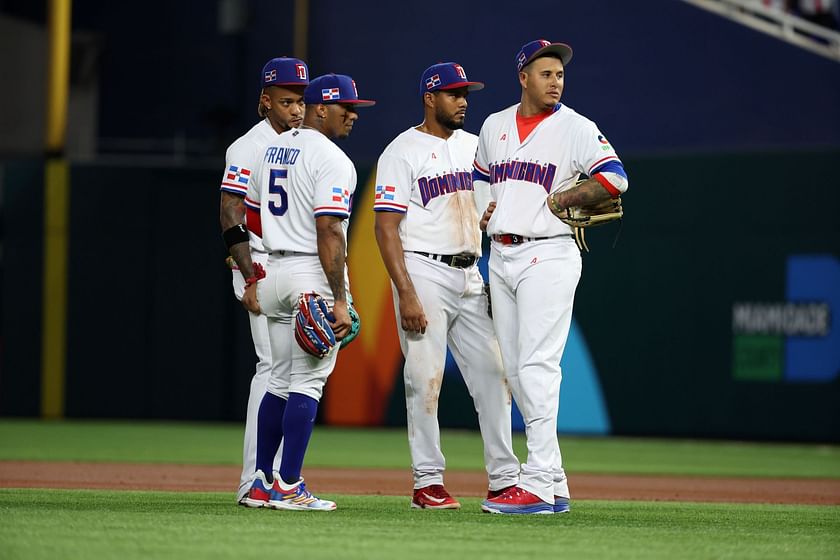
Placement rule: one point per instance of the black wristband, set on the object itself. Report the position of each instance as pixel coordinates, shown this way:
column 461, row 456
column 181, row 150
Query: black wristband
column 234, row 235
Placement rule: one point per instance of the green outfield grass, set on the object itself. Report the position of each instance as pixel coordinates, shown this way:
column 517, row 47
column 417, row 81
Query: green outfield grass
column 140, row 525
column 217, row 444
column 38, row 523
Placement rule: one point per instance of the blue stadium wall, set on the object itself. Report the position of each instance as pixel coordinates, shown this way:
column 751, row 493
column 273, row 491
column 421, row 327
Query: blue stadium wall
column 658, row 76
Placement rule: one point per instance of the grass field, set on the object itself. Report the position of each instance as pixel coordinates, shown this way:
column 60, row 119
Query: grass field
column 128, row 525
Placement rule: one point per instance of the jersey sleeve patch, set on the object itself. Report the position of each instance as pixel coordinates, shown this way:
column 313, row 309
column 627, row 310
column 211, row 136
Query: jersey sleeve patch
column 236, row 180
column 384, row 193
column 339, row 204
column 385, row 200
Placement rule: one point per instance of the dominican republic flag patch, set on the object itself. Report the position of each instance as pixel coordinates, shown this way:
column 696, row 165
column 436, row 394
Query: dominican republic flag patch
column 433, row 81
column 341, row 195
column 330, row 94
column 238, row 175
column 385, row 192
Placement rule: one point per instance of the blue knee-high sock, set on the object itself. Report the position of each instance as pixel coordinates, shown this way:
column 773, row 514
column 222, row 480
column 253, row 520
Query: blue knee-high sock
column 297, row 427
column 269, row 432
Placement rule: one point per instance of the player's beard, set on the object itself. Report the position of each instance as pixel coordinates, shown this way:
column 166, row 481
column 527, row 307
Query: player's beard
column 449, row 122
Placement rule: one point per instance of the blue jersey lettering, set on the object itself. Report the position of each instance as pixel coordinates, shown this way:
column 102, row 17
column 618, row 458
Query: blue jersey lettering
column 529, row 172
column 281, row 156
column 433, row 187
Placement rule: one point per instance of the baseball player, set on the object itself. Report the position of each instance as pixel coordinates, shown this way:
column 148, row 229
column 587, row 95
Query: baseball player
column 428, row 236
column 531, row 155
column 299, row 202
column 281, row 106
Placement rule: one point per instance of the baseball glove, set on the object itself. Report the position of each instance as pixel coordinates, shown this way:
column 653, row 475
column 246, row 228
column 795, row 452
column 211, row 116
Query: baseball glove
column 580, row 217
column 357, row 323
column 313, row 332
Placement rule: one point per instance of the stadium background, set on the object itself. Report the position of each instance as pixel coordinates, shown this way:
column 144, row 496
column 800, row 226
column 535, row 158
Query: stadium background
column 730, row 138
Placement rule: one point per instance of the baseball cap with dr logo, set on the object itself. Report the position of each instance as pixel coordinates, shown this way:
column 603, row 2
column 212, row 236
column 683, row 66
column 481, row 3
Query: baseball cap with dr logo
column 446, row 75
column 285, row 71
column 334, row 88
column 535, row 49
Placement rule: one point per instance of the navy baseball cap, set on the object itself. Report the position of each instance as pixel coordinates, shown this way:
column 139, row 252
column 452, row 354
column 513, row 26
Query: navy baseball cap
column 334, row 88
column 285, row 72
column 535, row 49
column 446, row 75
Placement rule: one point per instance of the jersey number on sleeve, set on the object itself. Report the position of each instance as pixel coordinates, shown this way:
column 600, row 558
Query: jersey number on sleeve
column 275, row 187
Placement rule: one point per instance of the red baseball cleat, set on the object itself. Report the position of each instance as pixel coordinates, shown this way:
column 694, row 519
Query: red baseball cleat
column 434, row 496
column 497, row 493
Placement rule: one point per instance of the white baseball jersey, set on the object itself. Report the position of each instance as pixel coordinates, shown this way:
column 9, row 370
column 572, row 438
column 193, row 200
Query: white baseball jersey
column 241, row 158
column 302, row 175
column 550, row 159
column 430, row 180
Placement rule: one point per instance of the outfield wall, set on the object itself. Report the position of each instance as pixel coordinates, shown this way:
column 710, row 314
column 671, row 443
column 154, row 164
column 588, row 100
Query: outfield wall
column 713, row 316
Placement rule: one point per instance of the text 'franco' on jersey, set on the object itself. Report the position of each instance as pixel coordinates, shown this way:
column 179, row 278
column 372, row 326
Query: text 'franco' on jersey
column 302, row 175
column 429, row 179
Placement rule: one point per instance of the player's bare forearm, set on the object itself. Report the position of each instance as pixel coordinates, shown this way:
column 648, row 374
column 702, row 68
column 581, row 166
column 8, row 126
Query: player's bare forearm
column 232, row 213
column 412, row 316
column 241, row 253
column 386, row 229
column 332, row 249
column 586, row 194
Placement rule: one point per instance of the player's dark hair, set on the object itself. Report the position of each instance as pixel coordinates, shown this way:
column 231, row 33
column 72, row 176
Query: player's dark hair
column 261, row 109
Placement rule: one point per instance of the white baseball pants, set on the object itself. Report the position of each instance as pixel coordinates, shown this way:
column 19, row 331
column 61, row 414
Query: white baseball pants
column 456, row 310
column 532, row 286
column 292, row 369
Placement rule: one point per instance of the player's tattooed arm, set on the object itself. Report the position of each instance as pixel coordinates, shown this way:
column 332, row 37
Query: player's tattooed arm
column 412, row 316
column 588, row 193
column 332, row 248
column 232, row 213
